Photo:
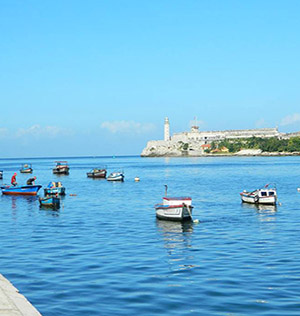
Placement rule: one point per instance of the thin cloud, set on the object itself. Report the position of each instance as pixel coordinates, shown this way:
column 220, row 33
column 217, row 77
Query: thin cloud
column 290, row 119
column 3, row 132
column 38, row 131
column 129, row 127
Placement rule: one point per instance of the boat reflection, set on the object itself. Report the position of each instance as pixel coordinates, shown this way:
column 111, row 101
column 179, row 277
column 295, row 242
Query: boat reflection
column 260, row 207
column 167, row 227
column 19, row 200
column 266, row 212
column 177, row 241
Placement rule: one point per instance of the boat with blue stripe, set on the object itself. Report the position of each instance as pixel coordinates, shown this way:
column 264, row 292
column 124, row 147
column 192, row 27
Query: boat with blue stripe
column 50, row 201
column 20, row 190
column 55, row 188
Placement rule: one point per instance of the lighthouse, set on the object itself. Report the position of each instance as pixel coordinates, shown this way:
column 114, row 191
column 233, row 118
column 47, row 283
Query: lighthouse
column 167, row 130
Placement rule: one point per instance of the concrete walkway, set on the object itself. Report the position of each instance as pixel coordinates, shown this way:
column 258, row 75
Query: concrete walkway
column 12, row 303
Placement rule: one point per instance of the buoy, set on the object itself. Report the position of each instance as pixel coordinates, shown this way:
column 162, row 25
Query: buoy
column 136, row 179
column 196, row 221
column 298, row 189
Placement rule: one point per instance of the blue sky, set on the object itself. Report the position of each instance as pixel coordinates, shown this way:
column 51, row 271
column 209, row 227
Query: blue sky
column 98, row 77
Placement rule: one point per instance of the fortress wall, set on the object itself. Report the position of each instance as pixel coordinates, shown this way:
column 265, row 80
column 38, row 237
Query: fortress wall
column 230, row 134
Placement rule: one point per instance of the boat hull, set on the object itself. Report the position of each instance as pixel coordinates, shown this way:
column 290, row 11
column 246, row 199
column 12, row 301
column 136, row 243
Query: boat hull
column 177, row 213
column 26, row 170
column 247, row 198
column 100, row 174
column 23, row 190
column 54, row 191
column 51, row 202
column 64, row 170
column 118, row 177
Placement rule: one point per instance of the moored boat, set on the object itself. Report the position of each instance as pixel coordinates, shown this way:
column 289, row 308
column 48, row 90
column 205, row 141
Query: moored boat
column 61, row 167
column 50, row 201
column 26, row 168
column 264, row 195
column 97, row 173
column 54, row 188
column 175, row 209
column 20, row 190
column 116, row 176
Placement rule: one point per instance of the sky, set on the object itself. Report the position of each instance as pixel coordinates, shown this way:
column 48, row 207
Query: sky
column 97, row 78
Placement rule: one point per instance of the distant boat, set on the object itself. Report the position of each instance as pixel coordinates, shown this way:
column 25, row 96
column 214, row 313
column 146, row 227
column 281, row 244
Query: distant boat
column 50, row 201
column 175, row 209
column 61, row 167
column 116, row 176
column 26, row 168
column 1, row 174
column 97, row 173
column 20, row 190
column 54, row 188
column 265, row 195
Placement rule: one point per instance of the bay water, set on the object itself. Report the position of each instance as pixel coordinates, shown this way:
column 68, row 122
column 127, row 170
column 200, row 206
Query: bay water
column 104, row 252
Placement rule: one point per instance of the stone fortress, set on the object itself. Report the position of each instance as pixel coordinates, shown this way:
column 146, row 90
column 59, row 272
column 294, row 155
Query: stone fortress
column 194, row 142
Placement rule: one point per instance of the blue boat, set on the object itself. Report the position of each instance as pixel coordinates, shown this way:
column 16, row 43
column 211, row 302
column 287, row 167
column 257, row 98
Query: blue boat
column 26, row 168
column 20, row 190
column 50, row 201
column 54, row 188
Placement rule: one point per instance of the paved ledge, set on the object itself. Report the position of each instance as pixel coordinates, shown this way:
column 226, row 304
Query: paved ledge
column 12, row 303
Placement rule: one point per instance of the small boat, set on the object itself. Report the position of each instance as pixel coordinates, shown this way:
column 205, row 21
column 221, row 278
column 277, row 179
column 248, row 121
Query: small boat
column 265, row 195
column 61, row 167
column 175, row 209
column 97, row 173
column 26, row 168
column 20, row 190
column 1, row 174
column 54, row 188
column 116, row 176
column 50, row 201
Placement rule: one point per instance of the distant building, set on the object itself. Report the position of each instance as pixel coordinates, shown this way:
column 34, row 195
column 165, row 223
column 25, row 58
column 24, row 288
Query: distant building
column 195, row 142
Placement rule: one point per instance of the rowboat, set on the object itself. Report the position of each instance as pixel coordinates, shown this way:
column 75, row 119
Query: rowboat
column 20, row 190
column 54, row 188
column 26, row 168
column 175, row 209
column 97, row 173
column 61, row 167
column 116, row 176
column 265, row 195
column 50, row 201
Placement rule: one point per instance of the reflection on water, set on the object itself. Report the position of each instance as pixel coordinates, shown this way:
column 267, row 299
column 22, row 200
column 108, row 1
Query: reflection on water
column 177, row 239
column 167, row 227
column 50, row 211
column 19, row 202
column 265, row 212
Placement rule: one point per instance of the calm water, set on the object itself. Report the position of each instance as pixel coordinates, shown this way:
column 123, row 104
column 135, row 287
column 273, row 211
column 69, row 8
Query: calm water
column 104, row 253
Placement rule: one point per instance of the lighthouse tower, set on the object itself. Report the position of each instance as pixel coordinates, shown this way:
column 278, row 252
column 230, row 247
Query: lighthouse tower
column 167, row 130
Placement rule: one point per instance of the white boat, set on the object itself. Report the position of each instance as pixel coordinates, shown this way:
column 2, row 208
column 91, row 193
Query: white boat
column 175, row 209
column 116, row 176
column 265, row 195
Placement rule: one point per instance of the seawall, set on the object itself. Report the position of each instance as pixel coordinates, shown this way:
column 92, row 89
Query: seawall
column 12, row 303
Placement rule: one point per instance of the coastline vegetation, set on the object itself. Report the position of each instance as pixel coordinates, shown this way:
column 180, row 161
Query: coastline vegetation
column 272, row 144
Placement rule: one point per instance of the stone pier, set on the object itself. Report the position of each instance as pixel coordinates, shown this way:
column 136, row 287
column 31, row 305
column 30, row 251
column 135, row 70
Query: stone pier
column 12, row 303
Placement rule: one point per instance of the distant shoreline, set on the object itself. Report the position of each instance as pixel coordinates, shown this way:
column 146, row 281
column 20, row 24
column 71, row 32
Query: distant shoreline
column 263, row 154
